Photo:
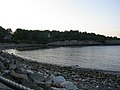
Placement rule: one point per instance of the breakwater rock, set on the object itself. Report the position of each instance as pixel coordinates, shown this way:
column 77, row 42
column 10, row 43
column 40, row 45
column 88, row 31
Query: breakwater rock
column 42, row 76
column 74, row 43
column 83, row 43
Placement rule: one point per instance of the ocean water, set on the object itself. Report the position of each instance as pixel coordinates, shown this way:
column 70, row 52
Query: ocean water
column 95, row 57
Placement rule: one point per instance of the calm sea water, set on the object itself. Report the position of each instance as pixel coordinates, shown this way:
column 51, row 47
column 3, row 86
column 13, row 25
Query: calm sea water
column 95, row 57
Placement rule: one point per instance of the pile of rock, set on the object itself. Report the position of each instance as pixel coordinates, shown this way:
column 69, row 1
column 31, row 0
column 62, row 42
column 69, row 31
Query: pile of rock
column 13, row 68
column 41, row 76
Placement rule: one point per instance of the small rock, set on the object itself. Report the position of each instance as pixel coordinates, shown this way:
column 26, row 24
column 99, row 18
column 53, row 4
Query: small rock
column 31, row 85
column 20, row 70
column 49, row 80
column 36, row 77
column 44, row 86
column 6, row 71
column 2, row 58
column 20, row 65
column 54, row 88
column 30, row 71
column 2, row 67
column 59, row 79
column 12, row 66
column 57, row 73
column 97, row 86
column 3, row 87
column 69, row 85
column 19, row 76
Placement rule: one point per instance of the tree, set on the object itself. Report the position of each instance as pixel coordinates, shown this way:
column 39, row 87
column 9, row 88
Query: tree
column 4, row 35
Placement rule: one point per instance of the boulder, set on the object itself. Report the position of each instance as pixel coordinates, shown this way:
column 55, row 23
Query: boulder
column 50, row 79
column 2, row 67
column 6, row 72
column 19, row 76
column 21, row 65
column 44, row 86
column 20, row 70
column 3, row 87
column 69, row 85
column 35, row 77
column 31, row 85
column 12, row 66
column 30, row 72
column 54, row 88
column 59, row 79
column 2, row 58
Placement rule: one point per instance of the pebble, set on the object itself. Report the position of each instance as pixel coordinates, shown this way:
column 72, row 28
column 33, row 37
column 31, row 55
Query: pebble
column 62, row 78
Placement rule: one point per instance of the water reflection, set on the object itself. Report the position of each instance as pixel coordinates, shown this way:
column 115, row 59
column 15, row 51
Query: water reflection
column 96, row 57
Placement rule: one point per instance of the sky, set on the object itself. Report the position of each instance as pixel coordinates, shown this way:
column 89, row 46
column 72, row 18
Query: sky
column 97, row 16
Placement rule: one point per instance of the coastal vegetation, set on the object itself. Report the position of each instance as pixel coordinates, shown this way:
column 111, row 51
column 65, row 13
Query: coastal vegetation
column 47, row 36
column 44, row 76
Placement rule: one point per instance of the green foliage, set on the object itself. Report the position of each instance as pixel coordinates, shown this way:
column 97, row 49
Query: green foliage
column 4, row 35
column 46, row 36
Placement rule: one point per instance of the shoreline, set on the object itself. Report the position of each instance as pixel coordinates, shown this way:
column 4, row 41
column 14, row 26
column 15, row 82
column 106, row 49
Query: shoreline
column 20, row 70
column 74, row 66
column 23, row 47
column 94, row 79
column 70, row 66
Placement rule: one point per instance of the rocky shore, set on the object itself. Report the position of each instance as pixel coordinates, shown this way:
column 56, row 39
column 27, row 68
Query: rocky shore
column 42, row 76
column 83, row 43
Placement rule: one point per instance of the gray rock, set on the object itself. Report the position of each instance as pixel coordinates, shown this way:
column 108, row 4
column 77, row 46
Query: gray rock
column 35, row 77
column 3, row 87
column 69, row 85
column 6, row 72
column 31, row 85
column 22, row 65
column 19, row 76
column 29, row 71
column 20, row 70
column 59, row 79
column 44, row 86
column 2, row 67
column 2, row 58
column 12, row 66
column 50, row 79
column 54, row 88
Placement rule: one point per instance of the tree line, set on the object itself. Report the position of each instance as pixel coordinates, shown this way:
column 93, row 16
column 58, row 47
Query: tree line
column 46, row 36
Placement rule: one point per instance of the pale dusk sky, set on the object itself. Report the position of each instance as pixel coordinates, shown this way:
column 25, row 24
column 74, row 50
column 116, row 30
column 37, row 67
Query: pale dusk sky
column 97, row 16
